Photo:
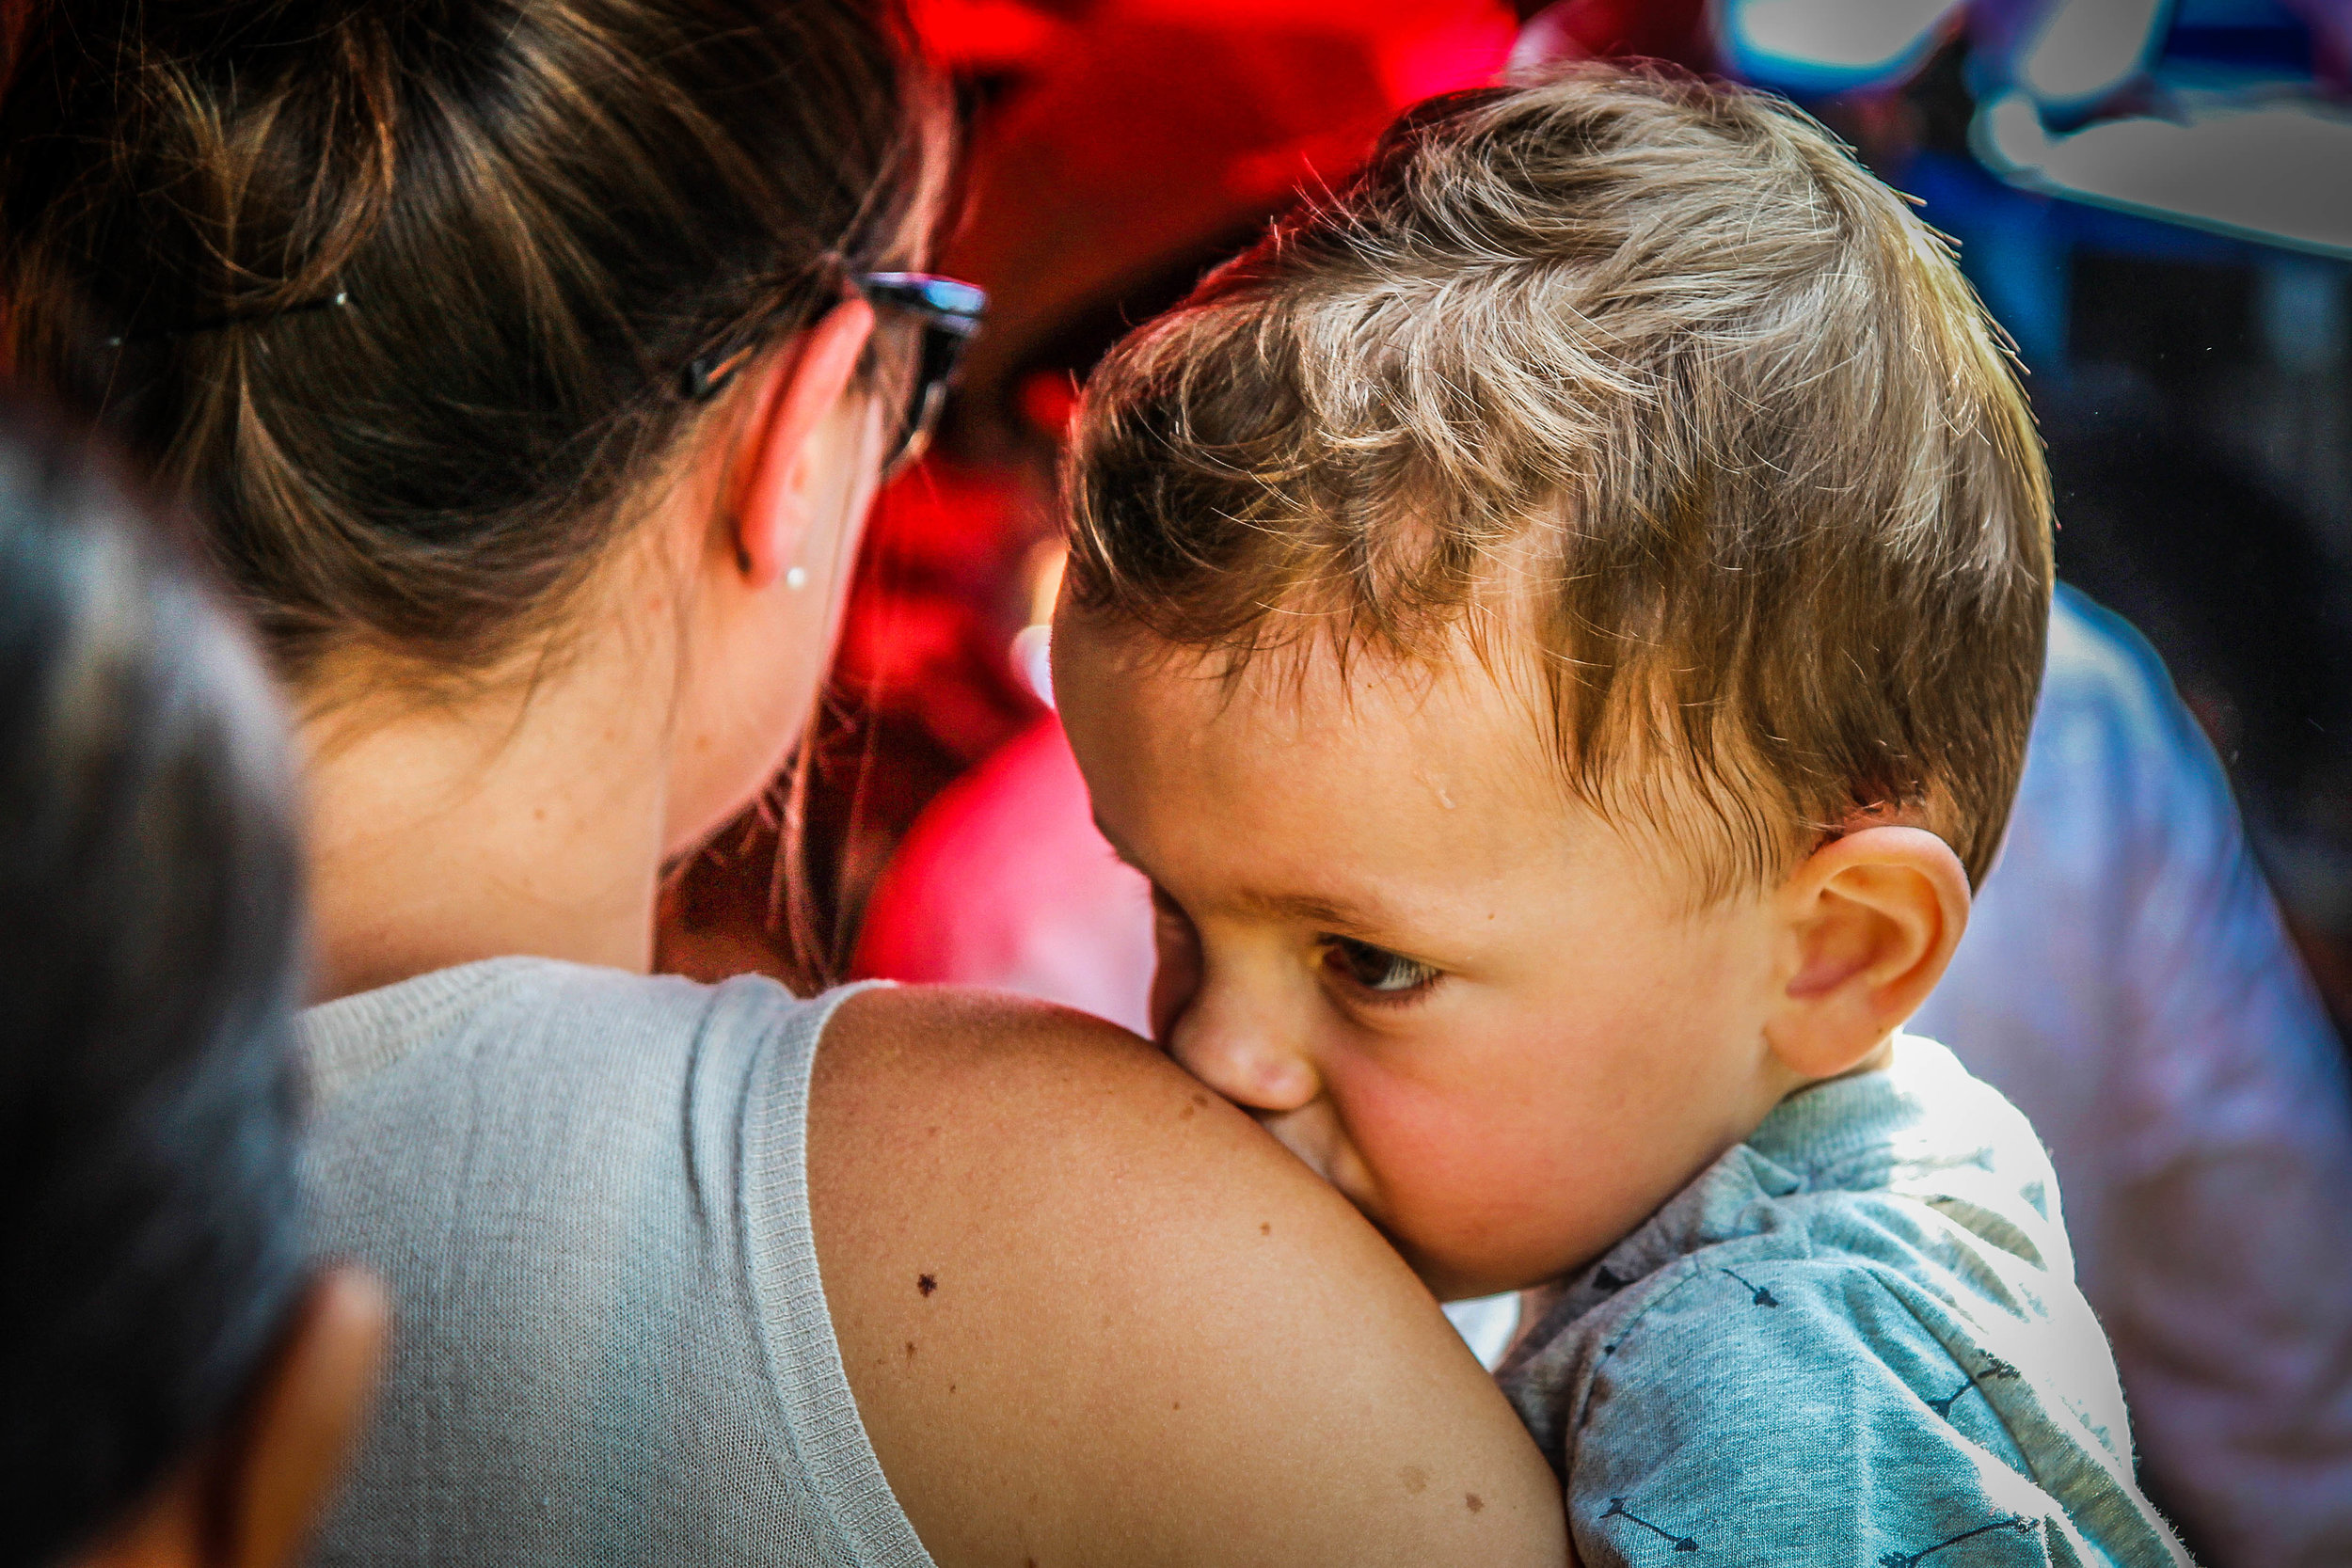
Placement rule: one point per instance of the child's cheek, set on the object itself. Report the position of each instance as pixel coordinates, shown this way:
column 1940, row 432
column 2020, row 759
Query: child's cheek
column 1476, row 1178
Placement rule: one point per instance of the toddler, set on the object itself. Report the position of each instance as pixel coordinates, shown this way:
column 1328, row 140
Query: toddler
column 1557, row 624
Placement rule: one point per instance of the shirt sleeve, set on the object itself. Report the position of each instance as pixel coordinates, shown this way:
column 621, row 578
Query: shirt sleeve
column 1799, row 1411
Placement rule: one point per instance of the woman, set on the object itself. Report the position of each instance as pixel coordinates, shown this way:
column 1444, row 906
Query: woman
column 536, row 361
column 180, row 1388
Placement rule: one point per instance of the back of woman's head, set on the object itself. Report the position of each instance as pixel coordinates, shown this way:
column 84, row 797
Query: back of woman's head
column 535, row 214
column 147, row 919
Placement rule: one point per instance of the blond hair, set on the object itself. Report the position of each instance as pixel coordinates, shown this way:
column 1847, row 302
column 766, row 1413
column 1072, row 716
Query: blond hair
column 1655, row 369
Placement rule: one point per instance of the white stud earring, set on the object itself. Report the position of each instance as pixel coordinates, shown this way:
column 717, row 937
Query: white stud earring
column 797, row 579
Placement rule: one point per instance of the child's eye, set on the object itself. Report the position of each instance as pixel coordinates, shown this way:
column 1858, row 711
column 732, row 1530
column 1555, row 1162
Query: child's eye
column 1391, row 976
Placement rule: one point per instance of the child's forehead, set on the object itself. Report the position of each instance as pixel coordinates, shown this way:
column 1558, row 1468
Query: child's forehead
column 1311, row 700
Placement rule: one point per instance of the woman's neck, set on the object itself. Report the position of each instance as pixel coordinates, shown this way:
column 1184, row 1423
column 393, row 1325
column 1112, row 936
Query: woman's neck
column 528, row 820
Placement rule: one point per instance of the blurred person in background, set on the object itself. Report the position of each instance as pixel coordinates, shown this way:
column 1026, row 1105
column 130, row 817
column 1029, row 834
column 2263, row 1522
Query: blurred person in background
column 182, row 1384
column 2128, row 980
column 2126, row 975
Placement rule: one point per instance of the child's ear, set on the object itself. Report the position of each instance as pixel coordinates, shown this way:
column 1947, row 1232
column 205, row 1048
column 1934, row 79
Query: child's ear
column 1870, row 922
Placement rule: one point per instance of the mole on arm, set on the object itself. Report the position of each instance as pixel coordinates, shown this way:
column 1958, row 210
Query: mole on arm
column 1472, row 1501
column 927, row 1283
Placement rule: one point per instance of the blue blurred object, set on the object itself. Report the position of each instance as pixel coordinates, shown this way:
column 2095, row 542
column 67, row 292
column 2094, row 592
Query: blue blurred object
column 2234, row 45
column 2067, row 55
column 2208, row 113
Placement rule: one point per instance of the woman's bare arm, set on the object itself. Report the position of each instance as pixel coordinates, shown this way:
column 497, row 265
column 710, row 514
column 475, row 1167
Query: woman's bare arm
column 1092, row 1314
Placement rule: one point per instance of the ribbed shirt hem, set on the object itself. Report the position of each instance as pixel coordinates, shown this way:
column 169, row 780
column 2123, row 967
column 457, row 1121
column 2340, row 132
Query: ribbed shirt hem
column 780, row 1252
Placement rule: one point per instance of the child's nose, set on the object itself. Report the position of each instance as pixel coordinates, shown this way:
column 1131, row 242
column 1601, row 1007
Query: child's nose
column 1243, row 1053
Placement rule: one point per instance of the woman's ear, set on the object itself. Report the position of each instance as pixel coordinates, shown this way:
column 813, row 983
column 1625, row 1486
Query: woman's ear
column 1872, row 920
column 776, row 478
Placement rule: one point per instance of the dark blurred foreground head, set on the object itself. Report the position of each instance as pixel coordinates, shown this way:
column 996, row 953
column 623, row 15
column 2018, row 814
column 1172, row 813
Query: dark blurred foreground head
column 180, row 1386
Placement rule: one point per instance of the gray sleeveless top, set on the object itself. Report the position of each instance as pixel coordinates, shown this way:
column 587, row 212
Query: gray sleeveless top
column 587, row 1192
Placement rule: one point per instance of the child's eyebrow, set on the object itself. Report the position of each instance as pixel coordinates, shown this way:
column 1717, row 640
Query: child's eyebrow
column 1346, row 919
column 1313, row 910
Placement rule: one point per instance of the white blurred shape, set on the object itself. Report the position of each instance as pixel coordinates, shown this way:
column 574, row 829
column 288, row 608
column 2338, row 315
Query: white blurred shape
column 1486, row 1323
column 2280, row 173
column 1033, row 659
column 2086, row 49
column 2009, row 135
column 1778, row 39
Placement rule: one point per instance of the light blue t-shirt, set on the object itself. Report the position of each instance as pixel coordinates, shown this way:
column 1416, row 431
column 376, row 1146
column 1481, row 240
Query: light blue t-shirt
column 1856, row 1339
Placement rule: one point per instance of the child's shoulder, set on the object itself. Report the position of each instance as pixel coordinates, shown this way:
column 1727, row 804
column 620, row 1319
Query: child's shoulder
column 1865, row 1152
column 1834, row 1333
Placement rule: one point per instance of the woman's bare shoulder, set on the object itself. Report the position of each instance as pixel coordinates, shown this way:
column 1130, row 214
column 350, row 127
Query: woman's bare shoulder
column 1091, row 1313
